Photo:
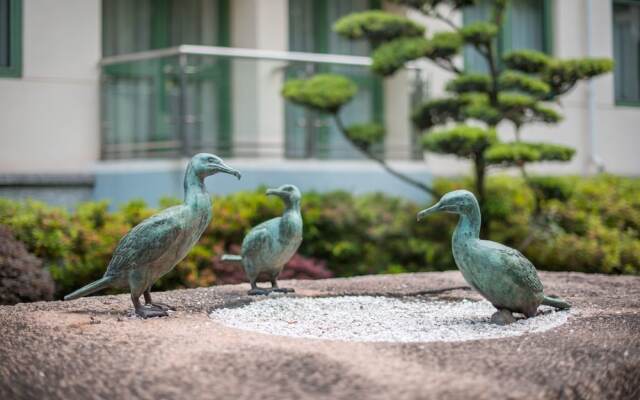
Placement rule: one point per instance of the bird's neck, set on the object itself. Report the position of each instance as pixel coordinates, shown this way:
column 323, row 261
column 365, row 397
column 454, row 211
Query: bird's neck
column 468, row 226
column 195, row 192
column 291, row 221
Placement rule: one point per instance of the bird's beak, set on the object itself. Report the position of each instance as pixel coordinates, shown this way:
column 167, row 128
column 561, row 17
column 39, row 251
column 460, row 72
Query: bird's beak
column 222, row 167
column 433, row 209
column 273, row 192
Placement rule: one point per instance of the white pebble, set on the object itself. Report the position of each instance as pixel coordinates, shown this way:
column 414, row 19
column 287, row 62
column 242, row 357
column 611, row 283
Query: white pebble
column 380, row 319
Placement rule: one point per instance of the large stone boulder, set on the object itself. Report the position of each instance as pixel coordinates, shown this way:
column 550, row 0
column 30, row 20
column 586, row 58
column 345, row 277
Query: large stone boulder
column 93, row 348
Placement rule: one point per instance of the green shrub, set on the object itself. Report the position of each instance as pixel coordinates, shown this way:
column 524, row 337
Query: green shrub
column 391, row 56
column 591, row 225
column 376, row 26
column 461, row 140
column 322, row 92
column 365, row 135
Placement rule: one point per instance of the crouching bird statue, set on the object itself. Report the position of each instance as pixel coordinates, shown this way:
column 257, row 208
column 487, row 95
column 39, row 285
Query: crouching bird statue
column 157, row 244
column 268, row 246
column 501, row 274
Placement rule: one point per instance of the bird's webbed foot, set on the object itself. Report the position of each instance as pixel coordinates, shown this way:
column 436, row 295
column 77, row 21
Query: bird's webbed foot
column 156, row 305
column 503, row 317
column 277, row 289
column 282, row 290
column 150, row 312
column 256, row 291
column 161, row 306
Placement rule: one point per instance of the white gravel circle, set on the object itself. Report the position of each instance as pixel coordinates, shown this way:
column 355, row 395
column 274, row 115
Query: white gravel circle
column 380, row 319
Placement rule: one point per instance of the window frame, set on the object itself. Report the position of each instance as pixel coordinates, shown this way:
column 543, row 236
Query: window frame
column 620, row 102
column 14, row 70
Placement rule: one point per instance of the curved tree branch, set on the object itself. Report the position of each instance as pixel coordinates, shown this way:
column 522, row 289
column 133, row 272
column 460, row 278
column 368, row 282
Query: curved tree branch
column 384, row 164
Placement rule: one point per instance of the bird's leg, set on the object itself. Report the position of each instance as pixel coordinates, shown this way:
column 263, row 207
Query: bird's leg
column 255, row 290
column 275, row 288
column 160, row 306
column 145, row 312
column 503, row 317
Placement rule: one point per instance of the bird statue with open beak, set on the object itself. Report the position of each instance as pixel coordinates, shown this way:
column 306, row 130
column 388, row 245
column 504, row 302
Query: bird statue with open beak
column 502, row 275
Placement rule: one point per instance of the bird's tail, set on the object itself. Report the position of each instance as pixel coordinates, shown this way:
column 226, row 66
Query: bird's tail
column 556, row 302
column 90, row 288
column 231, row 257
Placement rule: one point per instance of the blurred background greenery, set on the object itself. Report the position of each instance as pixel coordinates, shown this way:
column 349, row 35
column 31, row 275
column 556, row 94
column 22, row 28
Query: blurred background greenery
column 584, row 224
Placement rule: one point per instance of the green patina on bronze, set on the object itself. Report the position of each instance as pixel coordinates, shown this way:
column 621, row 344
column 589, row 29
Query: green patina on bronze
column 157, row 244
column 268, row 246
column 501, row 274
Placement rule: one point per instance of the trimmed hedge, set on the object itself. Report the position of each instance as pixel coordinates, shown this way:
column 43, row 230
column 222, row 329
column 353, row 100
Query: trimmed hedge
column 590, row 225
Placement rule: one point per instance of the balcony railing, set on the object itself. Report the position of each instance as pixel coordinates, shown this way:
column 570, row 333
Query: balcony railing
column 177, row 101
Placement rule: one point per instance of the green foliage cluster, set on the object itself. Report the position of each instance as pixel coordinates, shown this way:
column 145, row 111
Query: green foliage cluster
column 518, row 81
column 323, row 92
column 462, row 140
column 593, row 226
column 365, row 135
column 479, row 33
column 391, row 56
column 469, row 83
column 515, row 153
column 377, row 26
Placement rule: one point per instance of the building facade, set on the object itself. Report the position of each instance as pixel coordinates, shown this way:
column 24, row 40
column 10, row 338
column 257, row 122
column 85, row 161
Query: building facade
column 105, row 99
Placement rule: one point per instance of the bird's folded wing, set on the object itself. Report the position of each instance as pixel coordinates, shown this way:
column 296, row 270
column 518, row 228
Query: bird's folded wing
column 256, row 242
column 520, row 269
column 145, row 243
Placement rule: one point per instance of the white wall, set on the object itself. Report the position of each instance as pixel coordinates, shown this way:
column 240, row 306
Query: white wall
column 49, row 117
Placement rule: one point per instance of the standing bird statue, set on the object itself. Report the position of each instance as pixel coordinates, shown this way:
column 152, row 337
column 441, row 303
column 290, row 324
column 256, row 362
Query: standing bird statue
column 157, row 244
column 501, row 274
column 268, row 246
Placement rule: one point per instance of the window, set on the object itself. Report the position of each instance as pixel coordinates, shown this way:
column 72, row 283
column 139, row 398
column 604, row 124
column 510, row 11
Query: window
column 149, row 108
column 309, row 134
column 10, row 38
column 131, row 26
column 527, row 25
column 626, row 51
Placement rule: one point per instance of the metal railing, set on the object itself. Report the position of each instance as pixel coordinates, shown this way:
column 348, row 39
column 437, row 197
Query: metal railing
column 180, row 100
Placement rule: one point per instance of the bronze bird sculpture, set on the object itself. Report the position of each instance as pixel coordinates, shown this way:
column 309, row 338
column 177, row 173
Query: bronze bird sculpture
column 268, row 246
column 157, row 244
column 501, row 274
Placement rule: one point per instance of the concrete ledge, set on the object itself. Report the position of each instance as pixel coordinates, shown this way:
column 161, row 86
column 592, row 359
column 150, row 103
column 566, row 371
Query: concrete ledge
column 91, row 348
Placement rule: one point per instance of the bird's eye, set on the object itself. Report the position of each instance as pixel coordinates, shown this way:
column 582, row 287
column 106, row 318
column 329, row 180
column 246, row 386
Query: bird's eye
column 211, row 159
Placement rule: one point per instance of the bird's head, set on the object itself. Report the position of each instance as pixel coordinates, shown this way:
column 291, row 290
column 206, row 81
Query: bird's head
column 288, row 193
column 457, row 202
column 205, row 164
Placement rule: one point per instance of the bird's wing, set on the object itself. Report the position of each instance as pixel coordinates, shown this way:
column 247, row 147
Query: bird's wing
column 147, row 241
column 258, row 240
column 517, row 266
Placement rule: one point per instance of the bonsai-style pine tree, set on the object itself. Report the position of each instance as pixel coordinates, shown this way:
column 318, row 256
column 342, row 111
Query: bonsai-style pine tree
column 521, row 87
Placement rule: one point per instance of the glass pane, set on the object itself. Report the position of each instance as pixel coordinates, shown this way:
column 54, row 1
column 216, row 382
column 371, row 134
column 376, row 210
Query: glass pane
column 152, row 109
column 4, row 34
column 132, row 26
column 626, row 51
column 126, row 26
column 194, row 22
column 474, row 61
column 527, row 25
column 141, row 108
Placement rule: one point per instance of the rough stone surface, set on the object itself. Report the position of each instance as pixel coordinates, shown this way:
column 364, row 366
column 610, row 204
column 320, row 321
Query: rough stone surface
column 92, row 348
